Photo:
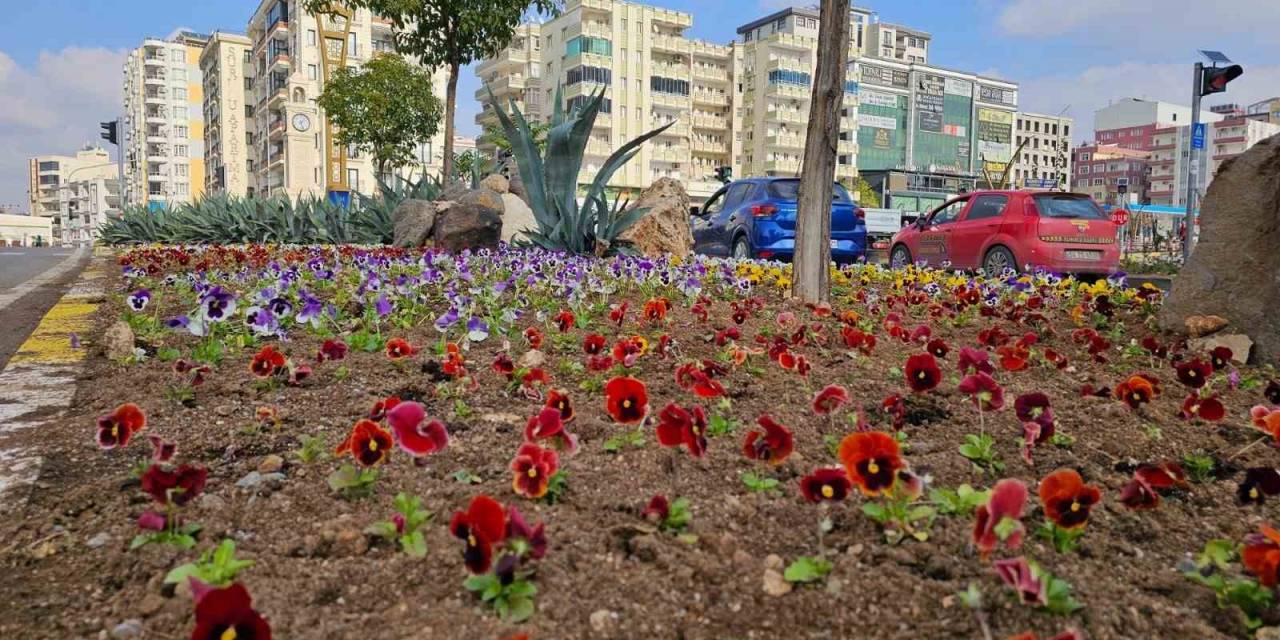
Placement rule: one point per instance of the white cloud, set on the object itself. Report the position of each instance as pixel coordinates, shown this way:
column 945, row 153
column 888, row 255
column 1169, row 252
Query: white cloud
column 1095, row 87
column 1137, row 20
column 53, row 108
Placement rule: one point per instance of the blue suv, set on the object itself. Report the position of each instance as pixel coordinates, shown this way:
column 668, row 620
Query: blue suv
column 756, row 218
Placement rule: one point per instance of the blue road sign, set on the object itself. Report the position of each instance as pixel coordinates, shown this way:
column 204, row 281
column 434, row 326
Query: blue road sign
column 340, row 198
column 1197, row 136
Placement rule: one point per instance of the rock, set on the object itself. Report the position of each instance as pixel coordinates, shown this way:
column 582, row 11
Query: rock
column 665, row 229
column 644, row 548
column 1204, row 325
column 250, row 481
column 118, row 341
column 497, row 183
column 1239, row 344
column 468, row 226
column 531, row 359
column 1267, row 633
column 483, row 197
column 131, row 628
column 413, row 220
column 517, row 218
column 150, row 604
column 1235, row 268
column 255, row 480
column 773, row 561
column 774, row 584
column 271, row 464
column 742, row 559
column 515, row 186
column 98, row 541
column 350, row 542
column 602, row 621
column 455, row 190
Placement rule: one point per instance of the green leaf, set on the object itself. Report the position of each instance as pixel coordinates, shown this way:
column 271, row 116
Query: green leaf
column 383, row 529
column 180, row 573
column 1007, row 527
column 479, row 583
column 519, row 610
column 414, row 544
column 807, row 569
column 521, row 589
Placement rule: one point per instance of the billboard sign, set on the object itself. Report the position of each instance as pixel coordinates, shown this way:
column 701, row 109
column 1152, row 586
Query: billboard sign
column 929, row 102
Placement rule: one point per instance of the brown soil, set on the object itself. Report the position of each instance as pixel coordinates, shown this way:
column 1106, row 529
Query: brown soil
column 315, row 578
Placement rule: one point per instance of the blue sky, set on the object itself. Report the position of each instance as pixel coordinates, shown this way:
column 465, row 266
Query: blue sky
column 60, row 60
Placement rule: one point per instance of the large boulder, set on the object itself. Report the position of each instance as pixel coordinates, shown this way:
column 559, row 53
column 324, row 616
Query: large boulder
column 413, row 220
column 1234, row 271
column 484, row 197
column 497, row 183
column 468, row 225
column 517, row 218
column 665, row 229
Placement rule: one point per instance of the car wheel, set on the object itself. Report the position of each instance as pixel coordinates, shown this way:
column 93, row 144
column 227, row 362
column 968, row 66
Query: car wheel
column 998, row 259
column 900, row 257
column 741, row 249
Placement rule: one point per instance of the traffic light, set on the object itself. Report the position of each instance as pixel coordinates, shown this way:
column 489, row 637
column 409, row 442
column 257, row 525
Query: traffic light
column 1215, row 79
column 724, row 174
column 109, row 132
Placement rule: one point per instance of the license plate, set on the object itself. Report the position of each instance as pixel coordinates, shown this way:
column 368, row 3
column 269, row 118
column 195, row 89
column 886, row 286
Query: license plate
column 1083, row 255
column 835, row 244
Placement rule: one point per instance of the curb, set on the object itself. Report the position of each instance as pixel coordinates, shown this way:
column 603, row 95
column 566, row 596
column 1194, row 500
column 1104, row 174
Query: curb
column 39, row 382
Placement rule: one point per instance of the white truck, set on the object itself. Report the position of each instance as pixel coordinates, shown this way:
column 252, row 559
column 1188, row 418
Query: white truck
column 881, row 225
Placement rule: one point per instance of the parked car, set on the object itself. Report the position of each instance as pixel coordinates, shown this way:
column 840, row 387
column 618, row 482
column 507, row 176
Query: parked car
column 994, row 230
column 756, row 218
column 882, row 224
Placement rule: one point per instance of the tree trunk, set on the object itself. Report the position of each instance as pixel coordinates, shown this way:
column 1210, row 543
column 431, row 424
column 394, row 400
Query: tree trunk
column 450, row 105
column 812, row 261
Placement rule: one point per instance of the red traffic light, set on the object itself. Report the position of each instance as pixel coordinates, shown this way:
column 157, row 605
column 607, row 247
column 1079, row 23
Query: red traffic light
column 1215, row 79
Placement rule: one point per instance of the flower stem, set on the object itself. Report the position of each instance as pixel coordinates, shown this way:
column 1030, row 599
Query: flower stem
column 1247, row 447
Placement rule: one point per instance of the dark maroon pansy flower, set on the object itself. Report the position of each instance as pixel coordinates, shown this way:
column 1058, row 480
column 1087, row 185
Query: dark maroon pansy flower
column 1259, row 484
column 1220, row 357
column 177, row 486
column 826, row 485
column 1194, row 373
column 227, row 614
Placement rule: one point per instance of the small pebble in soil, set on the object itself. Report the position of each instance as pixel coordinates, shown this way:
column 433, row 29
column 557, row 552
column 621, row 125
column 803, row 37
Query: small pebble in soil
column 774, row 584
column 270, row 464
column 131, row 628
column 98, row 540
column 602, row 620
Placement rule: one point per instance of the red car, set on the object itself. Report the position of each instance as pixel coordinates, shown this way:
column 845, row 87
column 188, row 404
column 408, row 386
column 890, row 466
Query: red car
column 995, row 230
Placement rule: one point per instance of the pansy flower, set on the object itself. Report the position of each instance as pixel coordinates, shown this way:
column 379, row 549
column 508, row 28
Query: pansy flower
column 771, row 443
column 482, row 526
column 332, row 350
column 655, row 309
column 174, row 486
column 535, row 536
column 1136, row 391
column 559, row 400
column 1194, row 373
column 990, row 529
column 1066, row 499
column 658, row 509
column 117, row 428
column 138, row 299
column 1016, row 573
column 564, row 320
column 974, row 361
column 398, row 348
column 533, row 336
column 1056, row 359
column 227, row 614
column 267, row 362
column 1013, row 358
column 829, row 399
column 626, row 400
column 922, row 372
column 161, row 450
column 1206, row 408
column 938, row 347
column 825, row 485
column 1153, row 347
column 368, row 443
column 504, row 366
column 1261, row 555
column 1149, row 482
column 1220, row 357
column 872, row 459
column 414, row 433
column 1034, row 407
column 548, row 425
column 532, row 469
column 593, row 344
column 1259, row 484
column 984, row 391
column 618, row 314
column 682, row 427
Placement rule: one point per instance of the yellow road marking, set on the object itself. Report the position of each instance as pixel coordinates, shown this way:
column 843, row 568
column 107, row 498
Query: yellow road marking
column 50, row 343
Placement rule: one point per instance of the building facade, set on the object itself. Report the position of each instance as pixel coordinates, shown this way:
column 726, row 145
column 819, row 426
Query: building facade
column 1045, row 159
column 292, row 52
column 896, row 42
column 84, row 206
column 1111, row 174
column 164, row 121
column 1224, row 140
column 514, row 75
column 49, row 174
column 24, row 231
column 226, row 70
column 1264, row 110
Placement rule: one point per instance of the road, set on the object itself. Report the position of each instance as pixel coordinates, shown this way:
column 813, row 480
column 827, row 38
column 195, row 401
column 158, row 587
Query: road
column 31, row 281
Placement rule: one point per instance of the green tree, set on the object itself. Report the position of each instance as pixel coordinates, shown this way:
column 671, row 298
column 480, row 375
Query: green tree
column 867, row 196
column 384, row 108
column 450, row 34
column 494, row 135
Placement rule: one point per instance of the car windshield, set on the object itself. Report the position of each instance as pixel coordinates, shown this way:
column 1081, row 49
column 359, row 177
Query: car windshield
column 790, row 190
column 1068, row 206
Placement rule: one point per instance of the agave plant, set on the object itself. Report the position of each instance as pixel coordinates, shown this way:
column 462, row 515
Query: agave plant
column 551, row 179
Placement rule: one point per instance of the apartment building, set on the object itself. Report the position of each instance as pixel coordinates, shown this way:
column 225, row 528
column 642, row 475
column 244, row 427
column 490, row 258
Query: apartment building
column 164, row 121
column 1103, row 171
column 226, row 70
column 896, row 42
column 1264, row 110
column 292, row 53
column 1045, row 160
column 778, row 60
column 84, row 205
column 1224, row 140
column 49, row 174
column 513, row 75
column 1131, row 122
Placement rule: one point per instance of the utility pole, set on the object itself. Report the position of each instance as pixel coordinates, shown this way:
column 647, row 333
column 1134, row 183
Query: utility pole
column 1189, row 219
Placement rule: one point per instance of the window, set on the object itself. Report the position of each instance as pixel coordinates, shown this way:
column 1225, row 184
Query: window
column 353, row 179
column 180, row 113
column 179, row 93
column 180, row 150
column 353, row 45
column 1084, row 157
column 180, row 131
column 353, row 151
column 989, row 206
column 1098, row 182
column 948, row 214
column 1068, row 206
column 181, row 170
column 737, row 193
column 313, row 72
column 1084, row 169
column 49, row 166
column 180, row 74
column 184, row 189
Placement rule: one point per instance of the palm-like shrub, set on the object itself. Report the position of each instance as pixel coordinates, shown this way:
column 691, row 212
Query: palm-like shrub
column 551, row 179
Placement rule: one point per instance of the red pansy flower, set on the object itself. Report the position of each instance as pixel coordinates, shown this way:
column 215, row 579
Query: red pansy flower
column 922, row 372
column 533, row 336
column 414, row 433
column 599, row 363
column 1016, row 574
column 681, row 427
column 381, row 407
column 827, row 484
column 398, row 348
column 1056, row 359
column 1136, row 391
column 1207, row 408
column 872, row 459
column 549, row 425
column 504, row 366
column 266, row 362
column 938, row 347
column 368, row 443
column 657, row 510
column 1013, row 358
column 532, row 469
column 1067, row 499
column 1008, row 497
column 1150, row 480
column 481, row 526
column 771, row 443
column 1194, row 373
column 984, row 391
column 974, row 361
column 1261, row 555
column 1220, row 357
column 177, row 486
column 618, row 314
column 332, row 350
column 655, row 309
column 559, row 400
column 117, row 428
column 564, row 320
column 227, row 614
column 626, row 400
column 829, row 399
column 593, row 344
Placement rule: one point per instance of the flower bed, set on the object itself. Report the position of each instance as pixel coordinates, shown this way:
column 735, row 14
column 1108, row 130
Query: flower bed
column 344, row 442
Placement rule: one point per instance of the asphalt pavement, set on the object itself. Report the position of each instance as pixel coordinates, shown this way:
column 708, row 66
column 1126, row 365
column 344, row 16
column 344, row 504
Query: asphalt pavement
column 32, row 279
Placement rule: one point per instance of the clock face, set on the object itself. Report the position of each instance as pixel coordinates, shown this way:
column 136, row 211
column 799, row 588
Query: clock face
column 301, row 122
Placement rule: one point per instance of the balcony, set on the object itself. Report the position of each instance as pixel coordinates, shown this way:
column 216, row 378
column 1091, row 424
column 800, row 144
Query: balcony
column 156, row 97
column 679, row 129
column 788, row 64
column 710, row 122
column 785, row 141
column 601, row 5
column 155, row 60
column 711, row 74
column 379, row 23
column 277, row 97
column 709, row 146
column 786, row 115
column 1230, row 140
column 154, row 78
column 789, row 91
column 677, row 19
column 782, row 166
column 847, row 147
column 280, row 61
column 673, row 71
column 599, row 148
column 792, row 41
column 514, row 58
column 709, row 50
column 604, row 120
column 593, row 29
column 715, row 98
column 663, row 99
column 673, row 155
column 670, row 43
column 276, row 129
